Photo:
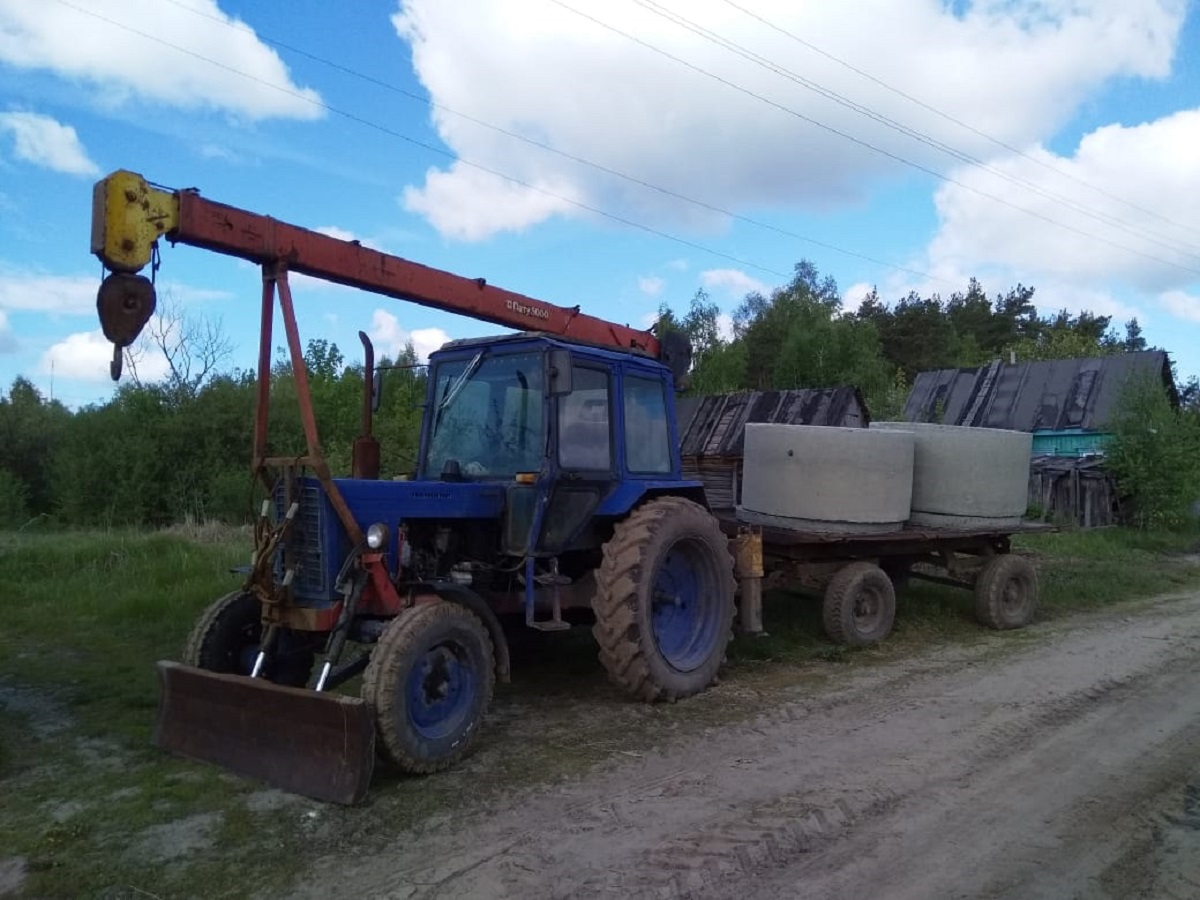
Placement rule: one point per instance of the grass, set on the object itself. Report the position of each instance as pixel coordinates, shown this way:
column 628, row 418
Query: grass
column 96, row 811
column 1086, row 569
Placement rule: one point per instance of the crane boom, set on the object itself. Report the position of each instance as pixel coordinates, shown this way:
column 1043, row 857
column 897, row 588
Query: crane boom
column 129, row 215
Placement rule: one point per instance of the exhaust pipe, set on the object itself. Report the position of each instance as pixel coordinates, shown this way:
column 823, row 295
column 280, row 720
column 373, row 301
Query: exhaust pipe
column 364, row 456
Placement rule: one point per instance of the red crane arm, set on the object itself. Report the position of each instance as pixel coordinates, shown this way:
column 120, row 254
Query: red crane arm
column 129, row 215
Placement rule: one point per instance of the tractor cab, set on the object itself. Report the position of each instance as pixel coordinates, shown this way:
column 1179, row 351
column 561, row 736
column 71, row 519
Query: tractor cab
column 500, row 409
column 569, row 430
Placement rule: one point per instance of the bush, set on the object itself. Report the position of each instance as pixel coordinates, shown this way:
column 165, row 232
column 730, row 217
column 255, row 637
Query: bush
column 14, row 498
column 1155, row 456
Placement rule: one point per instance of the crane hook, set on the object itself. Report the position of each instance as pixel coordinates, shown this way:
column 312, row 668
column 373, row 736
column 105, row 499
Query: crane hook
column 125, row 303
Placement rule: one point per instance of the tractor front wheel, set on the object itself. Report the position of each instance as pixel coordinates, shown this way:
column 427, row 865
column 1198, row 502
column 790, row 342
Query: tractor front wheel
column 429, row 682
column 228, row 635
column 664, row 600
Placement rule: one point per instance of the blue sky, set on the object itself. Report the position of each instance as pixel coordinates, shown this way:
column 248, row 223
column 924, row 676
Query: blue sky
column 1047, row 142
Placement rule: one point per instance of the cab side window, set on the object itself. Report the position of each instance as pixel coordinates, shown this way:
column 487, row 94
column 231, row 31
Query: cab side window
column 584, row 440
column 647, row 438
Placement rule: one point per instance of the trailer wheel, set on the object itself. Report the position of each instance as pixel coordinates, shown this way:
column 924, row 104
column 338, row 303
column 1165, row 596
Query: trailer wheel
column 1006, row 592
column 859, row 606
column 228, row 635
column 429, row 682
column 664, row 600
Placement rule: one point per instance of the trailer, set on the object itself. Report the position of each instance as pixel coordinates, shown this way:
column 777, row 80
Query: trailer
column 858, row 576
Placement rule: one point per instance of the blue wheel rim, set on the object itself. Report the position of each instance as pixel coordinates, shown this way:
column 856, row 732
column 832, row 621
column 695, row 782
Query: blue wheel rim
column 440, row 691
column 684, row 606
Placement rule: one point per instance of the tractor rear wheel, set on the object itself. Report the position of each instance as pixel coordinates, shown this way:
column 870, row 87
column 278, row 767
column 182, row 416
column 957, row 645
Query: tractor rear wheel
column 664, row 600
column 429, row 682
column 228, row 635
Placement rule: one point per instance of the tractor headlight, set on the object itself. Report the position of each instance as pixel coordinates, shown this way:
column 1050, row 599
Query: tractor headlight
column 377, row 536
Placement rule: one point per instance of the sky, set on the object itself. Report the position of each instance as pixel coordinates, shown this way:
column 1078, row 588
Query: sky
column 616, row 155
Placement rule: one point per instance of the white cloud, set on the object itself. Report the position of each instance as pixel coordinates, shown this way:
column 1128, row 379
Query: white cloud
column 218, row 152
column 854, row 295
column 451, row 201
column 8, row 340
column 119, row 62
column 391, row 338
column 74, row 295
column 86, row 356
column 725, row 326
column 69, row 295
column 651, row 285
column 46, row 142
column 1150, row 166
column 734, row 281
column 1181, row 305
column 1016, row 70
column 185, row 293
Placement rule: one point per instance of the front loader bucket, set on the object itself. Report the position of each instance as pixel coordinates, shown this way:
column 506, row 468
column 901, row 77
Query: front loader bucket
column 317, row 744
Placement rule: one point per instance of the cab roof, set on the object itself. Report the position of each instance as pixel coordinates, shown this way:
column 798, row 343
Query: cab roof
column 531, row 339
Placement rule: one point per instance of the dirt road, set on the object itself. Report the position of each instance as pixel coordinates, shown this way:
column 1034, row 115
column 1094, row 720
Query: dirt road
column 1061, row 762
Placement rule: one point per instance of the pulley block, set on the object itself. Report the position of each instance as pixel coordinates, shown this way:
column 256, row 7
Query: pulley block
column 125, row 304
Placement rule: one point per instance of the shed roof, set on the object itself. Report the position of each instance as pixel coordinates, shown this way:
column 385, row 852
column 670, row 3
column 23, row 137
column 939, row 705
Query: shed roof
column 715, row 425
column 1050, row 395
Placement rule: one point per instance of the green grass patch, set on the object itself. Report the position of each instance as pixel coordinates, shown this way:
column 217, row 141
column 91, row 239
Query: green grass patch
column 1087, row 569
column 96, row 811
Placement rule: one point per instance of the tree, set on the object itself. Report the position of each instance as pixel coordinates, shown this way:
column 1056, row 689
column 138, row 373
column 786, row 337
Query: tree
column 1155, row 455
column 718, row 364
column 1189, row 395
column 1133, row 337
column 31, row 427
column 919, row 335
column 798, row 338
column 193, row 345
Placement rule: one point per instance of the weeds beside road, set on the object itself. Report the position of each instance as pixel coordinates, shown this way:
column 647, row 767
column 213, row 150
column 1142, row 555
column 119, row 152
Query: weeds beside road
column 90, row 809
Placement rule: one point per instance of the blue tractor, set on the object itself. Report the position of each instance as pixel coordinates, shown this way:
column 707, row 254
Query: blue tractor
column 548, row 492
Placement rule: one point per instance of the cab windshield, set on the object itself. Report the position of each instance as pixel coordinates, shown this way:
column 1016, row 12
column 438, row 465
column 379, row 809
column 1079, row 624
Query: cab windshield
column 486, row 414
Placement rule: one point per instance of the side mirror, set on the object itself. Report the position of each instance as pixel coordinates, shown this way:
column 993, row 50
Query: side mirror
column 558, row 372
column 376, row 390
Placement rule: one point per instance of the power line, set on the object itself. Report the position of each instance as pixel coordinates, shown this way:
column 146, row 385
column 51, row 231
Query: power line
column 320, row 104
column 1146, row 234
column 541, row 145
column 954, row 120
column 863, row 143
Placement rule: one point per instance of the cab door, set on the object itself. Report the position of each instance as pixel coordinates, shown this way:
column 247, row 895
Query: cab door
column 585, row 457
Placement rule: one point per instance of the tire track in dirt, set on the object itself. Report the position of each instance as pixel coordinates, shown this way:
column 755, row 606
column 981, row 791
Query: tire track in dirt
column 798, row 795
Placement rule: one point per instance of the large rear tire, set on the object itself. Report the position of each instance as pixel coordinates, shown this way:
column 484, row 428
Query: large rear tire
column 664, row 600
column 1006, row 592
column 429, row 682
column 228, row 635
